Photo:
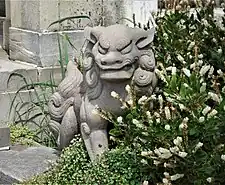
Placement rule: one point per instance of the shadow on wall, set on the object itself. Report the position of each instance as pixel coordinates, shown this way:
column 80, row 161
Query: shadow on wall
column 2, row 8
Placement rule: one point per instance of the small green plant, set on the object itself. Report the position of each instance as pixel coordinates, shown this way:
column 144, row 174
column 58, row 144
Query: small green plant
column 118, row 166
column 21, row 135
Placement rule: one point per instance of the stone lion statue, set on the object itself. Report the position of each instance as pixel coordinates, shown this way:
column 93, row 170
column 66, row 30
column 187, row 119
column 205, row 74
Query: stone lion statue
column 114, row 56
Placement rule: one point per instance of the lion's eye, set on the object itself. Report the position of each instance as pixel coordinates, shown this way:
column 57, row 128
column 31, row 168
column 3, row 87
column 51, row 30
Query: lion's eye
column 127, row 48
column 102, row 50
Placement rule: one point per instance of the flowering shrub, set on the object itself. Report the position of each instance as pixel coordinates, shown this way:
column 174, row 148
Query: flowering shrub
column 182, row 137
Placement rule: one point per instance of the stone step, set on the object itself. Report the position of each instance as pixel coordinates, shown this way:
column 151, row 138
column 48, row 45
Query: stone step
column 10, row 84
column 19, row 163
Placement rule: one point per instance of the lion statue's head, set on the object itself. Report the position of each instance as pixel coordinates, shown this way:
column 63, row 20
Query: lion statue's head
column 117, row 53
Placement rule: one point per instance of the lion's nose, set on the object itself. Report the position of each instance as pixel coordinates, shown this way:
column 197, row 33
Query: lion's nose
column 104, row 62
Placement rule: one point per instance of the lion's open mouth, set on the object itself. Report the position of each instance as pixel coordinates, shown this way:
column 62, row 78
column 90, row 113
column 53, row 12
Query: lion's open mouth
column 125, row 72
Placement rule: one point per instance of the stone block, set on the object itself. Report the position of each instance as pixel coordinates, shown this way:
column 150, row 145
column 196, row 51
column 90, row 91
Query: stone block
column 48, row 74
column 6, row 98
column 35, row 15
column 4, row 138
column 17, row 166
column 11, row 82
column 42, row 48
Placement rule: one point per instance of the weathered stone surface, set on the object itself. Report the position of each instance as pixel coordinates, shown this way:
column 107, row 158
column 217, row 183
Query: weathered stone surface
column 35, row 15
column 13, row 83
column 6, row 100
column 48, row 74
column 41, row 48
column 4, row 138
column 114, row 57
column 16, row 166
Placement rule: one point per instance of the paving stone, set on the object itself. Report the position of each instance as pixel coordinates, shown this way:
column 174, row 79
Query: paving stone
column 17, row 166
column 13, row 83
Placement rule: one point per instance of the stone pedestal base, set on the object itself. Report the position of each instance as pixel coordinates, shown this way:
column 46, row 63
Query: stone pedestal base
column 42, row 49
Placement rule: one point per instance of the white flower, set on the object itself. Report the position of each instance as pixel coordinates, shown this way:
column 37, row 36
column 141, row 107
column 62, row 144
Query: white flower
column 200, row 62
column 186, row 72
column 199, row 145
column 174, row 70
column 200, row 56
column 145, row 183
column 186, row 85
column 212, row 114
column 158, row 120
column 201, row 119
column 203, row 88
column 214, row 97
column 114, row 94
column 155, row 162
column 165, row 181
column 180, row 58
column 176, row 176
column 160, row 98
column 127, row 88
column 164, row 153
column 220, row 72
column 130, row 102
column 169, row 68
column 223, row 157
column 153, row 97
column 143, row 161
column 166, row 174
column 161, row 75
column 191, row 45
column 211, row 71
column 192, row 66
column 205, row 32
column 209, row 179
column 204, row 69
column 156, row 114
column 148, row 114
column 206, row 110
column 205, row 22
column 137, row 123
column 165, row 35
column 178, row 141
column 181, row 126
column 214, row 40
column 167, row 113
column 182, row 154
column 142, row 100
column 220, row 50
column 182, row 107
column 174, row 149
column 146, row 153
column 120, row 119
column 167, row 127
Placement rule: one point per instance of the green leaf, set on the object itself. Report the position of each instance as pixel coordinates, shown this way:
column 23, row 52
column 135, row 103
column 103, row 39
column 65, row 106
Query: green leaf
column 69, row 18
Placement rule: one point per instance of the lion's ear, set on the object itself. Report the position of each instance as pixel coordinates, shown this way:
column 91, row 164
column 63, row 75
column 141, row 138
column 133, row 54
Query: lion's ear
column 145, row 38
column 93, row 34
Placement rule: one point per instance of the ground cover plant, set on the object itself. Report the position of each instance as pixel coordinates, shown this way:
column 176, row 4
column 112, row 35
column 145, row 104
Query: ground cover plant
column 181, row 139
